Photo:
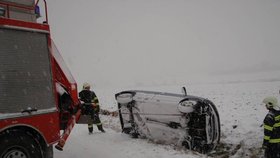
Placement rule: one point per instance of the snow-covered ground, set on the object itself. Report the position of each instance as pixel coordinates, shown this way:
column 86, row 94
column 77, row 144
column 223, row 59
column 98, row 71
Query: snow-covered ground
column 241, row 114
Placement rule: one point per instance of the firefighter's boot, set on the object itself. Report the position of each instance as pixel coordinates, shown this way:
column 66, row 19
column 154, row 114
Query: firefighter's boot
column 90, row 128
column 100, row 128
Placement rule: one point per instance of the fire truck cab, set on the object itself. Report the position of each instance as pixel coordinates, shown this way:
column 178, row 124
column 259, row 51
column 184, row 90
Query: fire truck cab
column 38, row 95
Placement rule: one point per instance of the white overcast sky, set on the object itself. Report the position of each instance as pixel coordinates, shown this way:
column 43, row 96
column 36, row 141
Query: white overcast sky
column 108, row 42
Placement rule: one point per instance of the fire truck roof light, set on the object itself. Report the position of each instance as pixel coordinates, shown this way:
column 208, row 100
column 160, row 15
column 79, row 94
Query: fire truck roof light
column 37, row 11
column 2, row 11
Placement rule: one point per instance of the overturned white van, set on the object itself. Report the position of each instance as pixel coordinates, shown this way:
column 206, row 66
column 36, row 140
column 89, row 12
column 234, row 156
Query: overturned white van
column 168, row 118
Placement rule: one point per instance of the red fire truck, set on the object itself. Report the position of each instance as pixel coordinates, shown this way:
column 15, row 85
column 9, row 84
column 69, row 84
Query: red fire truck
column 38, row 95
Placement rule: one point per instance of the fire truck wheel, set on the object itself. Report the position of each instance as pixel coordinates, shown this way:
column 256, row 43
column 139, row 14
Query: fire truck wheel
column 49, row 152
column 17, row 144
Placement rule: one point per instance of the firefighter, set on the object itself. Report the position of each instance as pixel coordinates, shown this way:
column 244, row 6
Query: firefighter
column 271, row 142
column 91, row 107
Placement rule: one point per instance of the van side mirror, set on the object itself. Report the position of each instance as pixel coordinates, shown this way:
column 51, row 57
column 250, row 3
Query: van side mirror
column 184, row 91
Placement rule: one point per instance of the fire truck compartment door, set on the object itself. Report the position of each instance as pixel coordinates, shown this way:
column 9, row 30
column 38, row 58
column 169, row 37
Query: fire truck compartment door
column 25, row 72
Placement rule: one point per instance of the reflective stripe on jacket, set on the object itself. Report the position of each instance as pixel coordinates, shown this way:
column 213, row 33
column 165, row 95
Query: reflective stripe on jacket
column 272, row 128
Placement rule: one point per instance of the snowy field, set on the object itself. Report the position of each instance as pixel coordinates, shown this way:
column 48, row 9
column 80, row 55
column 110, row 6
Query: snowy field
column 241, row 113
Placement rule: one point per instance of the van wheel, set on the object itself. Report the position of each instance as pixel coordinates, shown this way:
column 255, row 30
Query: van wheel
column 17, row 144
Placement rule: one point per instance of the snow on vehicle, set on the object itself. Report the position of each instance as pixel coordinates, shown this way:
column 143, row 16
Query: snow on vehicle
column 168, row 118
column 38, row 95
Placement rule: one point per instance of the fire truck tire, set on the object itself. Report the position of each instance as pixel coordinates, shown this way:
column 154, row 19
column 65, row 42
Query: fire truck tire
column 49, row 152
column 17, row 144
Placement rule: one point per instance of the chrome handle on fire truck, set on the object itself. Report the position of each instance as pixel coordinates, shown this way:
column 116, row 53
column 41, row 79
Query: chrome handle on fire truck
column 29, row 110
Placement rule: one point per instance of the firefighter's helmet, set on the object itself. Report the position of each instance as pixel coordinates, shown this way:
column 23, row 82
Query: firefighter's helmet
column 86, row 85
column 270, row 102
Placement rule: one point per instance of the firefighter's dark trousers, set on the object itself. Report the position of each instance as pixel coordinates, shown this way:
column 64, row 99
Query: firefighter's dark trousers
column 273, row 151
column 89, row 110
column 95, row 120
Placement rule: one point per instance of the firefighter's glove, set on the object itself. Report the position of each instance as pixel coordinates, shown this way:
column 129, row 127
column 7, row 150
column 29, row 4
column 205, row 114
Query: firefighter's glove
column 264, row 147
column 93, row 105
column 81, row 105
